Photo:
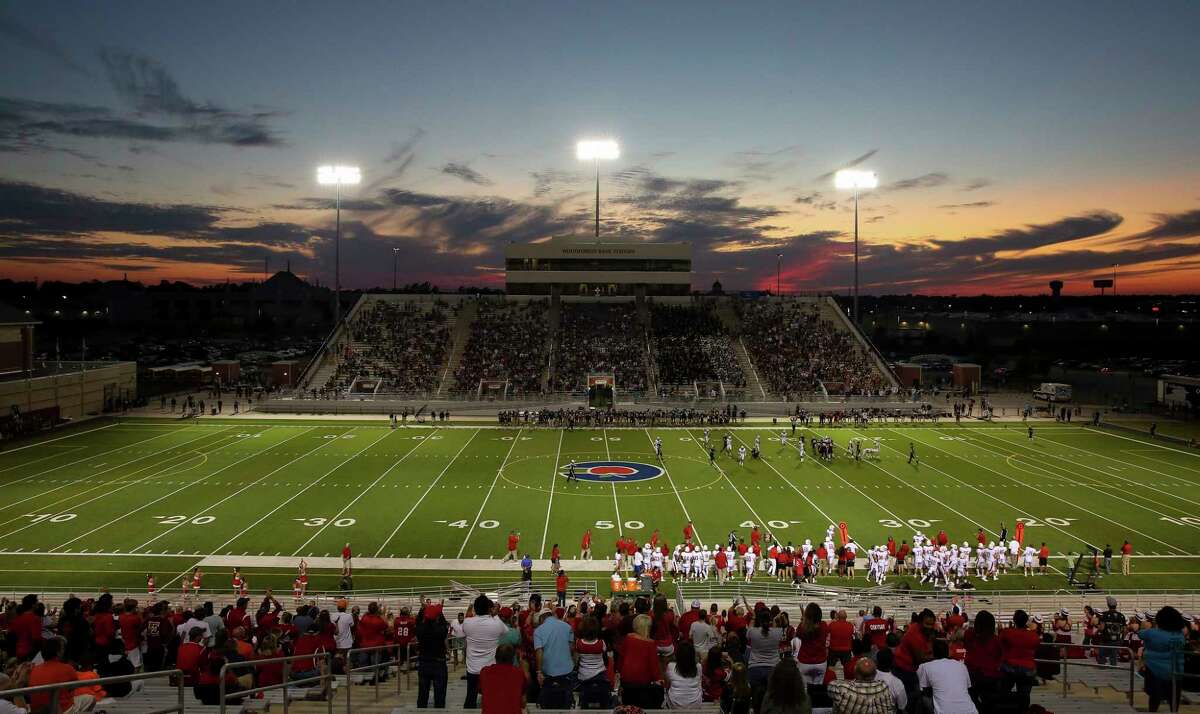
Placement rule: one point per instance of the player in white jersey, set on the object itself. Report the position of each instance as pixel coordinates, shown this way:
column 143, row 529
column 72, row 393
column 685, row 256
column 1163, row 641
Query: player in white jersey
column 706, row 437
column 706, row 563
column 989, row 562
column 731, row 564
column 619, row 561
column 918, row 556
column 805, row 548
column 658, row 447
column 783, row 437
column 831, row 556
column 800, row 447
column 1014, row 552
column 1030, row 559
column 757, row 443
column 741, row 456
column 728, row 444
column 980, row 560
column 749, row 558
column 964, row 557
column 829, row 533
column 998, row 553
column 656, row 559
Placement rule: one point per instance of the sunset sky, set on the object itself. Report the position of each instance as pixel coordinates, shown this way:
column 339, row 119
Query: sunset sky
column 1015, row 142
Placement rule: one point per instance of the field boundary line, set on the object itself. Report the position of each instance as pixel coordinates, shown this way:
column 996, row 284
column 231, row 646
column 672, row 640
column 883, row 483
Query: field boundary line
column 1140, row 441
column 1095, row 484
column 495, row 478
column 172, row 493
column 206, row 509
column 550, row 503
column 426, row 493
column 678, row 497
column 87, row 458
column 73, row 450
column 363, row 492
column 297, row 494
column 1096, row 454
column 1056, row 498
column 60, row 438
column 215, row 446
column 102, row 484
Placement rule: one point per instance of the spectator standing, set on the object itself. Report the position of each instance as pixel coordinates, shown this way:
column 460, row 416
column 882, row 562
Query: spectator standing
column 983, row 658
column 883, row 667
column 1126, row 557
column 763, row 640
column 915, row 649
column 947, row 681
column 1163, row 656
column 482, row 633
column 811, row 653
column 552, row 650
column 432, row 631
column 640, row 668
column 1018, row 647
column 1112, row 631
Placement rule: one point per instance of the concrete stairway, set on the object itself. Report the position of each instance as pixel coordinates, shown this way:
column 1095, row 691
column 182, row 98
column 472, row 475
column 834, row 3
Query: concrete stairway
column 460, row 333
column 729, row 319
column 552, row 317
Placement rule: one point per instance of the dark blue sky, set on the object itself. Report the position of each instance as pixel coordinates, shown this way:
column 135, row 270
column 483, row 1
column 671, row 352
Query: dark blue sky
column 1054, row 139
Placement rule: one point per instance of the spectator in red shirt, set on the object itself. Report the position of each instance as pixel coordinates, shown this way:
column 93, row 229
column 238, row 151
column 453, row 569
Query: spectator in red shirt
column 372, row 631
column 875, row 630
column 52, row 671
column 190, row 655
column 104, row 624
column 561, row 581
column 983, row 658
column 130, row 624
column 26, row 629
column 403, row 631
column 1018, row 645
column 813, row 653
column 1126, row 557
column 640, row 667
column 841, row 639
column 308, row 644
column 686, row 620
column 502, row 684
column 514, row 538
column 915, row 649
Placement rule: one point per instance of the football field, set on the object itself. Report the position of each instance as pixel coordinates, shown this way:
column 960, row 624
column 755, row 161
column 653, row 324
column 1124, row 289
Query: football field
column 105, row 502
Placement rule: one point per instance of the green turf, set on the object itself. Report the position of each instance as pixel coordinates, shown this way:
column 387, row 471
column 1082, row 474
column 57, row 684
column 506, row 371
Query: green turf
column 129, row 496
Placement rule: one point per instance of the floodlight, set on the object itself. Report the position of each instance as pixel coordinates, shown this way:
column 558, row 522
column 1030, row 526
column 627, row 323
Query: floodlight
column 595, row 149
column 850, row 178
column 341, row 175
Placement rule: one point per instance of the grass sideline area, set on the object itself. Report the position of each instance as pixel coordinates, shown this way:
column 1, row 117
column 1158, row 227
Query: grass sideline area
column 102, row 503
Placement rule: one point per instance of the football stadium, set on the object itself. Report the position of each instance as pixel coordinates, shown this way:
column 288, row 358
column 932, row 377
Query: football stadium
column 440, row 361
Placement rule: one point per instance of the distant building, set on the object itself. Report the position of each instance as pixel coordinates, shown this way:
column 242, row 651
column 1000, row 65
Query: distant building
column 582, row 267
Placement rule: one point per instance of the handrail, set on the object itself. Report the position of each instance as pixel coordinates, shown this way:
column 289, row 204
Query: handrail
column 76, row 683
column 377, row 666
column 1063, row 661
column 327, row 657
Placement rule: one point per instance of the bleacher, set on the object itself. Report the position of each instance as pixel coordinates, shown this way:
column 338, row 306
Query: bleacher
column 507, row 342
column 689, row 346
column 599, row 339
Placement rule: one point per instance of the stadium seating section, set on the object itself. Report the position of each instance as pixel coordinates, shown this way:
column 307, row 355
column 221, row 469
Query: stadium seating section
column 599, row 339
column 507, row 342
column 403, row 344
column 691, row 345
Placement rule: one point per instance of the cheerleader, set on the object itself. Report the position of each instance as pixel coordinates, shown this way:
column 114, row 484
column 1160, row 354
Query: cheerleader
column 239, row 583
column 1090, row 620
column 197, row 576
column 151, row 590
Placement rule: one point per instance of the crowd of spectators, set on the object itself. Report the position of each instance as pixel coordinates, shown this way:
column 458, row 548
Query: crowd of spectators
column 507, row 342
column 691, row 345
column 638, row 652
column 599, row 339
column 795, row 351
column 581, row 417
column 402, row 344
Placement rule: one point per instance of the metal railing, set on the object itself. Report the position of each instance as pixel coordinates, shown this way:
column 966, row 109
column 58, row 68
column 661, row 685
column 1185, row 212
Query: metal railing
column 1065, row 663
column 379, row 667
column 53, row 689
column 325, row 677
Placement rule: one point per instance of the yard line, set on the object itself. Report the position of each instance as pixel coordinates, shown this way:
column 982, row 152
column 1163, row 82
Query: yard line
column 1094, row 484
column 363, row 492
column 1139, row 441
column 172, row 493
column 296, row 495
column 323, row 444
column 772, row 467
column 1111, row 458
column 489, row 493
column 616, row 505
column 100, row 485
column 553, row 480
column 763, row 458
column 88, row 458
column 1057, row 498
column 47, row 441
column 71, row 450
column 695, row 531
column 1164, row 463
column 94, row 498
column 426, row 493
column 758, row 519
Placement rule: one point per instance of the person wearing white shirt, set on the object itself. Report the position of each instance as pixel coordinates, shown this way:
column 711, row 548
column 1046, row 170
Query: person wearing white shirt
column 196, row 620
column 948, row 681
column 483, row 633
column 883, row 666
column 343, row 623
column 683, row 678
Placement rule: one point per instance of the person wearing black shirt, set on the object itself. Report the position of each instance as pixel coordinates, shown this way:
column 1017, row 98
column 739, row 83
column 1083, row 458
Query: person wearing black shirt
column 431, row 632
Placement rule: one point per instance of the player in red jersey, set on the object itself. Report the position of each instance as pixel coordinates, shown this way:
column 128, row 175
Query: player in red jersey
column 150, row 587
column 755, row 536
column 688, row 531
column 585, row 547
column 654, row 539
column 346, row 559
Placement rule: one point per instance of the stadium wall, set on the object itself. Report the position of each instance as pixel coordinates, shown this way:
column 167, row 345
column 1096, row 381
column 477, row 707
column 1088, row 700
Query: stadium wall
column 76, row 393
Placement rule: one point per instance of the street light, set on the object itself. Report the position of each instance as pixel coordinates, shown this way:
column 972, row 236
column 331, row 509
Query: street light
column 395, row 252
column 778, row 267
column 595, row 150
column 338, row 176
column 1115, row 266
column 851, row 178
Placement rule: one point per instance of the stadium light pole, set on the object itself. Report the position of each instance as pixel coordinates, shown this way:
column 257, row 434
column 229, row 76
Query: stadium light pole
column 1115, row 266
column 850, row 178
column 395, row 252
column 778, row 272
column 595, row 150
column 338, row 176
